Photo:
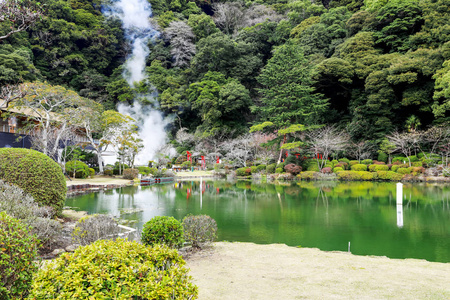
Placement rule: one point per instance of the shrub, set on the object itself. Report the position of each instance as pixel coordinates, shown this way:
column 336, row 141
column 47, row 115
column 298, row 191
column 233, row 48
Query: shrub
column 418, row 170
column 382, row 157
column 186, row 164
column 241, row 172
column 130, row 173
column 77, row 169
column 375, row 168
column 413, row 158
column 253, row 169
column 199, row 231
column 108, row 172
column 36, row 174
column 389, row 175
column 153, row 171
column 404, row 170
column 144, row 170
column 445, row 172
column 417, row 164
column 364, row 175
column 21, row 206
column 92, row 228
column 91, row 172
column 308, row 175
column 293, row 169
column 270, row 169
column 261, row 168
column 376, row 162
column 367, row 162
column 348, row 175
column 399, row 159
column 17, row 253
column 311, row 165
column 115, row 270
column 343, row 165
column 163, row 230
column 359, row 167
column 279, row 170
column 326, row 170
column 394, row 168
column 345, row 160
column 337, row 169
column 353, row 162
column 334, row 162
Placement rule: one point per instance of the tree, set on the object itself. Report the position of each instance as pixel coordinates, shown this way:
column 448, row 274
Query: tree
column 228, row 16
column 49, row 110
column 181, row 40
column 406, row 143
column 387, row 147
column 19, row 15
column 239, row 150
column 325, row 141
column 10, row 93
column 288, row 96
column 360, row 150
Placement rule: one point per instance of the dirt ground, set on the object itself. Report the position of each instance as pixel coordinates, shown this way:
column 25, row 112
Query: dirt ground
column 250, row 271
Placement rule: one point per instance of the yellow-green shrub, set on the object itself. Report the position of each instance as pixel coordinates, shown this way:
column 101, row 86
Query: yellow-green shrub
column 364, row 175
column 115, row 270
column 389, row 175
column 18, row 250
column 404, row 170
column 163, row 230
column 375, row 168
column 353, row 162
column 367, row 162
column 308, row 175
column 348, row 175
column 359, row 167
column 337, row 169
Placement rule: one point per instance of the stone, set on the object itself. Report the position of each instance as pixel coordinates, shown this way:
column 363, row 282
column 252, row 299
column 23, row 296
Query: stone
column 72, row 248
column 57, row 252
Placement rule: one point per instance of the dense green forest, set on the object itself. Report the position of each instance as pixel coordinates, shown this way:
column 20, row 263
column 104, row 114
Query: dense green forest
column 369, row 67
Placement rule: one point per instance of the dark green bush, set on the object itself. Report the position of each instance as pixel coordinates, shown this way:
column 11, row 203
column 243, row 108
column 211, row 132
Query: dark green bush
column 36, row 174
column 91, row 172
column 115, row 270
column 130, row 173
column 382, row 157
column 348, row 175
column 359, row 167
column 270, row 169
column 400, row 159
column 77, row 169
column 95, row 227
column 254, row 169
column 199, row 231
column 367, row 162
column 261, row 168
column 163, row 230
column 389, row 175
column 18, row 250
column 375, row 168
column 413, row 158
column 241, row 171
column 108, row 172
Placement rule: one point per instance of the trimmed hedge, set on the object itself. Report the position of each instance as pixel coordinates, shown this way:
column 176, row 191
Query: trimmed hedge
column 375, row 168
column 308, row 175
column 353, row 162
column 80, row 169
column 36, row 174
column 163, row 230
column 345, row 160
column 404, row 170
column 18, row 250
column 115, row 270
column 389, row 175
column 270, row 169
column 337, row 169
column 367, row 161
column 348, row 175
column 279, row 170
column 261, row 168
column 359, row 167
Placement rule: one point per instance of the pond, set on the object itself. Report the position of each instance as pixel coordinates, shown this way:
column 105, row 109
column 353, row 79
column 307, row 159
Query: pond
column 324, row 215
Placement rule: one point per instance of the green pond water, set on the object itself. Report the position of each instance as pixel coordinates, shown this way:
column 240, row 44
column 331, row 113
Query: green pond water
column 324, row 215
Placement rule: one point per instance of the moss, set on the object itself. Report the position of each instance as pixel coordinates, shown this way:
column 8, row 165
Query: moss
column 36, row 174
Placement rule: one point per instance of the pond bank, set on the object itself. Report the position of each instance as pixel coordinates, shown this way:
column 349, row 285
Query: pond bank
column 276, row 271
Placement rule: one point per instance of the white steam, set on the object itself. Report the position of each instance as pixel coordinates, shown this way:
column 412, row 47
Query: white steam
column 135, row 16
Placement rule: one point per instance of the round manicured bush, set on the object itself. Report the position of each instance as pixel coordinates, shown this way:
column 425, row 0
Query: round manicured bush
column 293, row 169
column 404, row 170
column 359, row 167
column 270, row 169
column 144, row 170
column 367, row 162
column 77, row 169
column 375, row 168
column 261, row 168
column 254, row 169
column 353, row 162
column 326, row 170
column 18, row 250
column 163, row 230
column 279, row 170
column 346, row 160
column 115, row 270
column 337, row 169
column 383, row 157
column 349, row 175
column 36, row 174
column 199, row 231
column 91, row 172
column 308, row 175
column 108, row 172
column 241, row 172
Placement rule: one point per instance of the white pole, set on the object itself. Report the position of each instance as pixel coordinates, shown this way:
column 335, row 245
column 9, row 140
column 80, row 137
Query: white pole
column 399, row 193
column 201, row 196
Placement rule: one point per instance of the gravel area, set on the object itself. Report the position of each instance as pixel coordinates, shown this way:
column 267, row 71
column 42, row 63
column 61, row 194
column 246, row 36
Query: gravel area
column 250, row 271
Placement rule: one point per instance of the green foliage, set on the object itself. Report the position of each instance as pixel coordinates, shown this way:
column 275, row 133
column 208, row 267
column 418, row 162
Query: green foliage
column 337, row 169
column 375, row 168
column 92, row 228
column 349, row 175
column 308, row 175
column 413, row 158
column 115, row 270
column 245, row 171
column 130, row 173
column 91, row 172
column 279, row 170
column 254, row 169
column 382, row 157
column 359, row 167
column 77, row 169
column 144, row 170
column 18, row 250
column 404, row 170
column 389, row 175
column 446, row 172
column 400, row 159
column 261, row 168
column 199, row 231
column 163, row 230
column 36, row 174
column 270, row 169
column 367, row 162
column 353, row 162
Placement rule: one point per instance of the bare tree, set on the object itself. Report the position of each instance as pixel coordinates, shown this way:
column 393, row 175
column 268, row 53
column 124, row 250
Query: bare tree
column 9, row 93
column 181, row 42
column 259, row 14
column 406, row 143
column 19, row 15
column 239, row 151
column 228, row 16
column 325, row 141
column 359, row 150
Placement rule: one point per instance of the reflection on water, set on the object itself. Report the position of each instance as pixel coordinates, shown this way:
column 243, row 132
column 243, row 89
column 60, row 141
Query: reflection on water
column 326, row 215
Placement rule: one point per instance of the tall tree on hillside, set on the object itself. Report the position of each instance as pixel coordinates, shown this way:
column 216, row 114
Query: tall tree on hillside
column 288, row 95
column 19, row 15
